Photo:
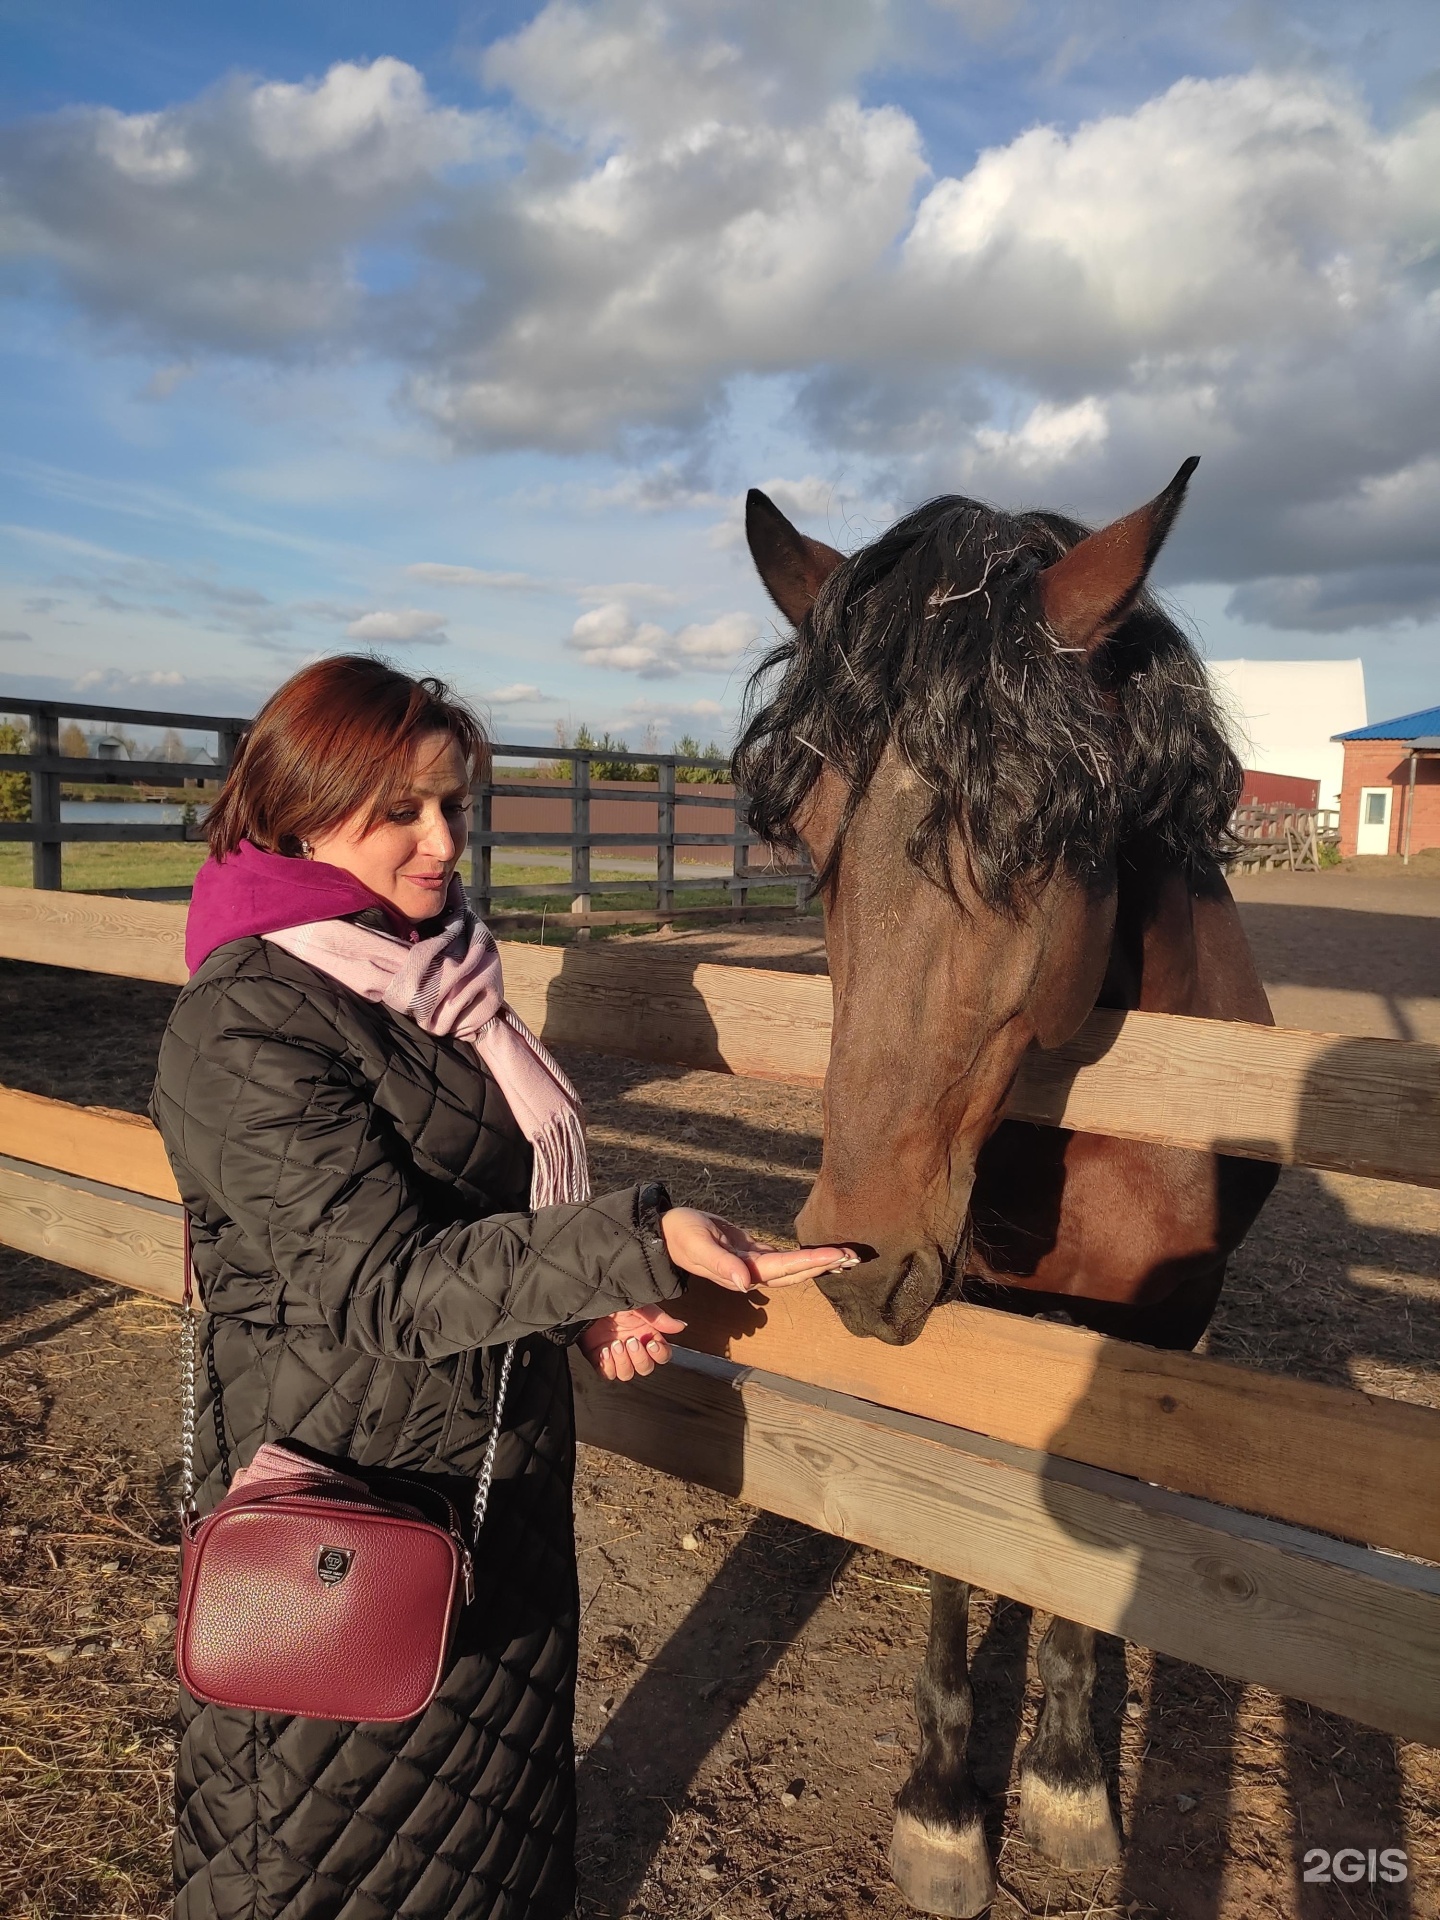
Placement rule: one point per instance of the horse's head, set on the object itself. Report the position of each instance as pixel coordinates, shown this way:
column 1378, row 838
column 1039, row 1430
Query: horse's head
column 974, row 713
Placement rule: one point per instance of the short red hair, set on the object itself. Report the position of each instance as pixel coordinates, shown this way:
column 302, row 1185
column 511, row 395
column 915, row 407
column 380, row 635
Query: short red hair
column 337, row 739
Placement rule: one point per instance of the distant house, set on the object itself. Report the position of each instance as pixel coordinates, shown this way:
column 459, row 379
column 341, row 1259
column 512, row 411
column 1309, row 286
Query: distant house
column 107, row 747
column 1284, row 716
column 1390, row 802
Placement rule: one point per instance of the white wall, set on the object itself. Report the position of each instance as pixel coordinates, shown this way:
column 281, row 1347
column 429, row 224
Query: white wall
column 1283, row 712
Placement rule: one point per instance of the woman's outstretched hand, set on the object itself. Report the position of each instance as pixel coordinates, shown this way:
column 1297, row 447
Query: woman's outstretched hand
column 718, row 1250
column 624, row 1344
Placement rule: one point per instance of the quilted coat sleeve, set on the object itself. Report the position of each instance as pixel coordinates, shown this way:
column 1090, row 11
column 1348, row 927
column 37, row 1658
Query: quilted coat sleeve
column 269, row 1126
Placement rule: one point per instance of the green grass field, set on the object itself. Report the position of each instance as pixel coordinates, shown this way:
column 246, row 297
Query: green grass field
column 111, row 867
column 103, row 866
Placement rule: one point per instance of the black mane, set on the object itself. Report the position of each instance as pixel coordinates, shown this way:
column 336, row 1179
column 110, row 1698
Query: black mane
column 932, row 637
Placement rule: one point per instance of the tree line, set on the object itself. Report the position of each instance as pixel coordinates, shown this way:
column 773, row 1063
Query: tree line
column 601, row 769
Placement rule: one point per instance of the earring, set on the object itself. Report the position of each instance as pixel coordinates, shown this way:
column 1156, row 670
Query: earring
column 307, row 850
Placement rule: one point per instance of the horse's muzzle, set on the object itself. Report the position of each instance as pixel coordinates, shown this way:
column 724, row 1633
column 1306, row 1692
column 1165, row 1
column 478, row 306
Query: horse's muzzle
column 887, row 1298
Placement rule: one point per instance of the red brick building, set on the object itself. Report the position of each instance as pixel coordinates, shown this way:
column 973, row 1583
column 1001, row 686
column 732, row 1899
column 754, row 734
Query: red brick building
column 1390, row 801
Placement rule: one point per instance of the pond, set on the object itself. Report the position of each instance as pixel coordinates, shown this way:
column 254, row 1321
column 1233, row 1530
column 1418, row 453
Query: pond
column 159, row 813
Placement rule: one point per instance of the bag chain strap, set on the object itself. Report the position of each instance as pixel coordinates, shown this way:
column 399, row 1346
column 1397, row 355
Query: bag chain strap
column 187, row 1401
column 487, row 1466
column 187, row 1413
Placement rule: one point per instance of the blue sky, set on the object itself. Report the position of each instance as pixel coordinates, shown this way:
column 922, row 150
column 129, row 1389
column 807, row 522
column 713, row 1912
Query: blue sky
column 459, row 331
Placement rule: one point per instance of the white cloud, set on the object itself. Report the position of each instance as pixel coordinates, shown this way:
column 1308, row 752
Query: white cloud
column 437, row 574
column 645, row 591
column 666, row 488
column 520, row 694
column 112, row 680
column 1048, row 435
column 398, row 626
column 1222, row 214
column 231, row 222
column 671, row 716
column 611, row 636
column 717, row 645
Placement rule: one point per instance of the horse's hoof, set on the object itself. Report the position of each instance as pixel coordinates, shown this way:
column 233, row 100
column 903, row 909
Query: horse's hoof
column 944, row 1870
column 1072, row 1826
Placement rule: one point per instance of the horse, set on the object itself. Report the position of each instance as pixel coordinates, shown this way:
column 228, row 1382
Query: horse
column 1009, row 773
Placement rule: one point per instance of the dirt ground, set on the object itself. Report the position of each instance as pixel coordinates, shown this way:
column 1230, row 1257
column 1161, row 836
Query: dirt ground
column 744, row 1715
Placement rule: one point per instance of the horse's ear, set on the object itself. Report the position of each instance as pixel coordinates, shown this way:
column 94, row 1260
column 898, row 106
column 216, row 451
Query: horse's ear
column 792, row 566
column 1086, row 595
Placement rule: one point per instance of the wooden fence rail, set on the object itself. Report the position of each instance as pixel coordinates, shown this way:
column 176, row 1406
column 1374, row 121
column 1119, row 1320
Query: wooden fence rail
column 1187, row 1504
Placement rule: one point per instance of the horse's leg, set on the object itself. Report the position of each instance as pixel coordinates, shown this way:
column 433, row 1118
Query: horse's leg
column 938, row 1853
column 1064, row 1808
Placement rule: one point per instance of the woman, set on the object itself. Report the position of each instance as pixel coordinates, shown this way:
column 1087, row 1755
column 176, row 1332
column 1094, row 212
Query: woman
column 385, row 1178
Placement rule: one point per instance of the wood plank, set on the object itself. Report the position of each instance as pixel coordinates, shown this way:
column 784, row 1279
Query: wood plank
column 64, row 1220
column 1341, row 1102
column 1223, row 1433
column 137, row 939
column 652, row 1005
column 1338, row 1102
column 1354, row 1632
column 118, row 1149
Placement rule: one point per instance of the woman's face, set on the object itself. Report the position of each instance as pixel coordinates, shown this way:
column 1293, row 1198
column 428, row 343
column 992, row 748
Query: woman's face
column 409, row 857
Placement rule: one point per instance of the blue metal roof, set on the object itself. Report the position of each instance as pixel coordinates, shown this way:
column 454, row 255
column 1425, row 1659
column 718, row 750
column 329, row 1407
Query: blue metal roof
column 1409, row 726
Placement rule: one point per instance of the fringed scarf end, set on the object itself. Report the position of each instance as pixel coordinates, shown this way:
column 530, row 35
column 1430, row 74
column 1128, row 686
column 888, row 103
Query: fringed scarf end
column 562, row 1167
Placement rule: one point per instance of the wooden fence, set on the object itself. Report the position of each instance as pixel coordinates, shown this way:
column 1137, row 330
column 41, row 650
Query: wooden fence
column 48, row 767
column 1276, row 833
column 1275, row 1530
column 670, row 817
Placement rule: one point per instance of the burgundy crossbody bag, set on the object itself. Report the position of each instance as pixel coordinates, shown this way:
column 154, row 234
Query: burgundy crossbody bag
column 306, row 1592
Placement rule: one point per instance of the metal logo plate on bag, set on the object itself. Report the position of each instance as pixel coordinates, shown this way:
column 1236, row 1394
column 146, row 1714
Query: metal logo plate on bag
column 334, row 1564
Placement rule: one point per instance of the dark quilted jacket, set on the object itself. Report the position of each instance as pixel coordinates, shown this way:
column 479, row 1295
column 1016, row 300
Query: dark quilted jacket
column 357, row 1193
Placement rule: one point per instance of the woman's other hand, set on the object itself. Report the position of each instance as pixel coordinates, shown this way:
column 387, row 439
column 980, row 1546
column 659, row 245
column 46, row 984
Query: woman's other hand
column 718, row 1250
column 625, row 1344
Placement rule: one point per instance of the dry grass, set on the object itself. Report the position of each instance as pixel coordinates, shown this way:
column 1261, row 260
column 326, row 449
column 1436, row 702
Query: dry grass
column 87, row 1578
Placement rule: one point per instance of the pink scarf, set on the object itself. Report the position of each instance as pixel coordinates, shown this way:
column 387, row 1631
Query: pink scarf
column 452, row 984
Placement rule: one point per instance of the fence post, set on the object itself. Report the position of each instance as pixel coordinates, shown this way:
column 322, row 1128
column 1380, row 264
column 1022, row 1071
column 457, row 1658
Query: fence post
column 45, row 802
column 665, row 852
column 740, row 863
column 481, row 852
column 580, row 828
column 227, row 743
